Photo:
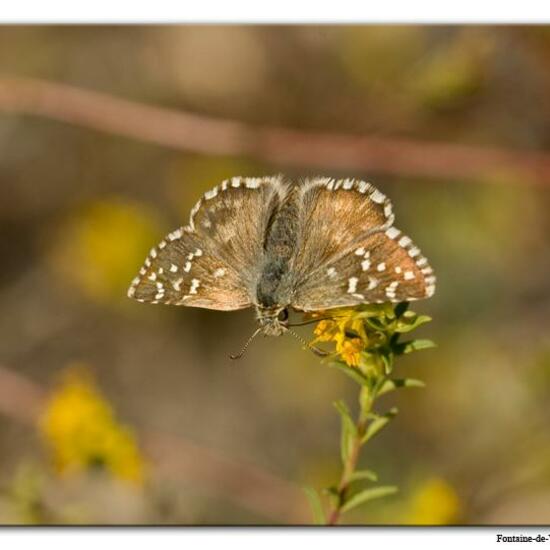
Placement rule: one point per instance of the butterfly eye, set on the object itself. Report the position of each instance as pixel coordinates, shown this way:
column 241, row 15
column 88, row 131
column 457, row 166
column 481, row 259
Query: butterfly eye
column 283, row 315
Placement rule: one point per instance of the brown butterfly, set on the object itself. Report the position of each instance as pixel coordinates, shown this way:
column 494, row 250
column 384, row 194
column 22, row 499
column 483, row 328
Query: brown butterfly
column 273, row 244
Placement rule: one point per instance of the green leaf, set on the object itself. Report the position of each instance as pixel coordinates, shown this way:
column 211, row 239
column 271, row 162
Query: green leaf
column 387, row 361
column 376, row 425
column 349, row 430
column 373, row 310
column 368, row 494
column 316, row 506
column 375, row 323
column 409, row 321
column 363, row 474
column 391, row 385
column 333, row 495
column 401, row 308
column 352, row 372
column 412, row 345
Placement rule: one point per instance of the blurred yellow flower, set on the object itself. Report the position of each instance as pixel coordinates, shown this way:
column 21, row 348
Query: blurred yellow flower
column 82, row 433
column 99, row 247
column 434, row 503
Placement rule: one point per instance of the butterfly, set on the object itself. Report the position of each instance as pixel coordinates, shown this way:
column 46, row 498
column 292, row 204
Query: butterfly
column 274, row 244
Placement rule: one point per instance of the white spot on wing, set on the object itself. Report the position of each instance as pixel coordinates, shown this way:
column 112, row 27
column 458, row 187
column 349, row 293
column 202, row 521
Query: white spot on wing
column 404, row 241
column 378, row 197
column 365, row 264
column 409, row 275
column 173, row 268
column 195, row 283
column 381, row 266
column 211, row 194
column 175, row 235
column 220, row 272
column 363, row 187
column 352, row 284
column 390, row 290
column 392, row 232
column 132, row 289
column 252, row 183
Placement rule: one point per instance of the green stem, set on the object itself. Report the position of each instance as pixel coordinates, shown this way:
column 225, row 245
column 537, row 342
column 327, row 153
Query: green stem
column 366, row 402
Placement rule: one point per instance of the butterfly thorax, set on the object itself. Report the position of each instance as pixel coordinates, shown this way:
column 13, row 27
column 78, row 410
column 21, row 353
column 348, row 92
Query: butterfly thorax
column 274, row 288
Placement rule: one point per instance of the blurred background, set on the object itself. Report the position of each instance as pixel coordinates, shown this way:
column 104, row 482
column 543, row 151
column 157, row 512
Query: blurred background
column 113, row 411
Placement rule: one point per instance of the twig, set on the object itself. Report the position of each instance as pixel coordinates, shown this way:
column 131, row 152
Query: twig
column 315, row 150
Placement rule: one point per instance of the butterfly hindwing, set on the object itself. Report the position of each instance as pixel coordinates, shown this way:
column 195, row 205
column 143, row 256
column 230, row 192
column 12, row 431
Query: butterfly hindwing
column 212, row 262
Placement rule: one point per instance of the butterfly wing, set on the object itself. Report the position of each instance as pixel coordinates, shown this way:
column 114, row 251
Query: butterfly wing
column 212, row 262
column 350, row 253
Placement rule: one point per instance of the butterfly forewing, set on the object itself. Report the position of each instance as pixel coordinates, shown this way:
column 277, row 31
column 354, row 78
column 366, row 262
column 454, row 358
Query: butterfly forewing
column 363, row 260
column 334, row 214
column 212, row 262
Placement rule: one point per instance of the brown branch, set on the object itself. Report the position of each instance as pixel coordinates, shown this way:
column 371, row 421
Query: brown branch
column 175, row 457
column 292, row 148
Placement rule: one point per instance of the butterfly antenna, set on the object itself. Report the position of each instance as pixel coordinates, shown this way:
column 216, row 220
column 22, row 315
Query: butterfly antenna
column 315, row 350
column 310, row 321
column 241, row 353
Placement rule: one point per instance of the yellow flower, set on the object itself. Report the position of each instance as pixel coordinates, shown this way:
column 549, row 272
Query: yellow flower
column 82, row 432
column 434, row 503
column 350, row 350
column 347, row 330
column 325, row 331
column 98, row 248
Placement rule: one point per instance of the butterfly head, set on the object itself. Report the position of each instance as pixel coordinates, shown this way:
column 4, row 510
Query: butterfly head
column 273, row 320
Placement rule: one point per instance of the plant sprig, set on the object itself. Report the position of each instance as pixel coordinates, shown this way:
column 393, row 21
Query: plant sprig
column 367, row 342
